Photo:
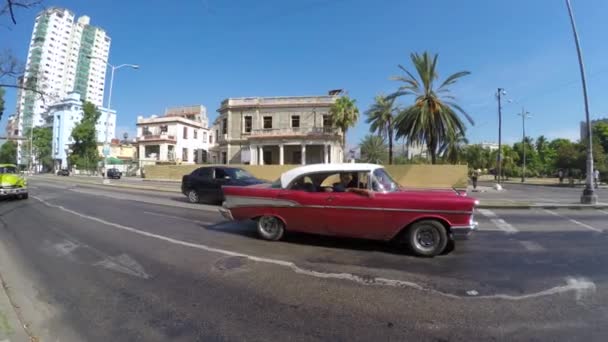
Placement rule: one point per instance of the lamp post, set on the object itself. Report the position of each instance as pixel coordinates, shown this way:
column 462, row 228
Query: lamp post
column 500, row 92
column 524, row 115
column 589, row 196
column 113, row 68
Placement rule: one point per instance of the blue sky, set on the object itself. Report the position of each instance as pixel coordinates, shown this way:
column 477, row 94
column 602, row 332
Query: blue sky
column 202, row 51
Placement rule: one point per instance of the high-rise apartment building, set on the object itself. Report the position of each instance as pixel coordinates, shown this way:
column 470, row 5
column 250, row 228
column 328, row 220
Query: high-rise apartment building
column 65, row 54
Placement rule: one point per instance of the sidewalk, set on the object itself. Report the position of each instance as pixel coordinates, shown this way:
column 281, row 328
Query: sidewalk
column 10, row 326
column 138, row 184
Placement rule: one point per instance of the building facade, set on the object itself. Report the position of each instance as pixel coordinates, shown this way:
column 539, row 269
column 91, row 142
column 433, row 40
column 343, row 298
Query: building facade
column 66, row 114
column 65, row 54
column 181, row 136
column 277, row 130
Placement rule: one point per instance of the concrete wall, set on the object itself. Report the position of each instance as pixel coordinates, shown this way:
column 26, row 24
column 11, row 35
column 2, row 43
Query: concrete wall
column 420, row 176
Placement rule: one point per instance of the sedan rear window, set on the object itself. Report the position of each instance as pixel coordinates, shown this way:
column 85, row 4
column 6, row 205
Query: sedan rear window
column 8, row 169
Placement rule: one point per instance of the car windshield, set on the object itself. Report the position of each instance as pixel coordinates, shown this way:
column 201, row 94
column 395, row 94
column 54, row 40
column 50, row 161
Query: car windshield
column 238, row 174
column 7, row 169
column 383, row 181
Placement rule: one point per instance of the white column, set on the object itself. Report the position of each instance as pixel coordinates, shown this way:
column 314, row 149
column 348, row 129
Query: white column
column 303, row 154
column 228, row 155
column 253, row 155
column 326, row 152
column 281, row 154
column 142, row 151
column 162, row 152
column 261, row 155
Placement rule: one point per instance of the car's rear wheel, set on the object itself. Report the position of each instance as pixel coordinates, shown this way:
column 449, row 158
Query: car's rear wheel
column 270, row 228
column 193, row 197
column 427, row 238
column 23, row 196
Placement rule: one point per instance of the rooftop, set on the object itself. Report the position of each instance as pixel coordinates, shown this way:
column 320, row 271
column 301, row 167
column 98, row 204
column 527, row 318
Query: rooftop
column 292, row 174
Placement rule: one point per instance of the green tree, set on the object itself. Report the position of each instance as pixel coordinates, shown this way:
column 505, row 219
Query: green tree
column 84, row 149
column 532, row 160
column 600, row 134
column 1, row 102
column 344, row 114
column 8, row 153
column 433, row 117
column 42, row 138
column 380, row 117
column 373, row 149
column 476, row 156
column 452, row 150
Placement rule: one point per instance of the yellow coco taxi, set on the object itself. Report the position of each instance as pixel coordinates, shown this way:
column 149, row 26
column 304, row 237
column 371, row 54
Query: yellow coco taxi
column 12, row 184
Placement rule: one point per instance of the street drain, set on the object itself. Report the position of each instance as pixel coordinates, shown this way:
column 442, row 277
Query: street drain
column 230, row 263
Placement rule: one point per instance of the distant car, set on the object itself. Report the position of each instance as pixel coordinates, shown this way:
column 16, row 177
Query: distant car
column 353, row 200
column 63, row 172
column 12, row 185
column 205, row 184
column 113, row 173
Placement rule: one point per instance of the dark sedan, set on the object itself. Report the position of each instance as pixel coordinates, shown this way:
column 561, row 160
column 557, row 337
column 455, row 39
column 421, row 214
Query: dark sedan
column 205, row 184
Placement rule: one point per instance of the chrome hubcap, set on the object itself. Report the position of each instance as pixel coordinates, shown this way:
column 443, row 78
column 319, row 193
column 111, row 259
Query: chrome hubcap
column 269, row 225
column 427, row 237
column 193, row 196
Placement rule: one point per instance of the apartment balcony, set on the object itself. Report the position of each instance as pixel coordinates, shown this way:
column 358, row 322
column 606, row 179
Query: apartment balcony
column 157, row 137
column 279, row 101
column 309, row 132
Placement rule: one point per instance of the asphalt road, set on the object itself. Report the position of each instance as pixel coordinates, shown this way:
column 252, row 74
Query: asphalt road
column 538, row 193
column 88, row 264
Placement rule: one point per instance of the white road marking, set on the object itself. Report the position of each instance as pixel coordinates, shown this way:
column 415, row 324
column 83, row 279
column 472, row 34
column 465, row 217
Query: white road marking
column 179, row 218
column 487, row 213
column 504, row 226
column 532, row 246
column 603, row 211
column 584, row 225
column 580, row 286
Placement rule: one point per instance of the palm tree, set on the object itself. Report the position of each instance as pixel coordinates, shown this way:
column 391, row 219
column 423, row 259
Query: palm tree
column 380, row 117
column 344, row 114
column 452, row 149
column 373, row 149
column 433, row 117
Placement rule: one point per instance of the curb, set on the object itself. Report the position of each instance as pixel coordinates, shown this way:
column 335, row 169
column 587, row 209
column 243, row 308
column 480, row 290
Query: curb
column 111, row 185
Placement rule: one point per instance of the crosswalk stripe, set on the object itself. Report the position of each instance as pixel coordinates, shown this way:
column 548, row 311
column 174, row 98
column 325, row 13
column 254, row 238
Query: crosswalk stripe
column 504, row 226
column 584, row 225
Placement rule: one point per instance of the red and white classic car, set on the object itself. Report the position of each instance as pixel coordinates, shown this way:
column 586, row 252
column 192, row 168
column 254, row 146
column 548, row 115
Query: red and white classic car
column 353, row 200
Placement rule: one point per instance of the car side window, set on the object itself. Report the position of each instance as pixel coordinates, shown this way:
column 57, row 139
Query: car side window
column 220, row 174
column 303, row 183
column 204, row 172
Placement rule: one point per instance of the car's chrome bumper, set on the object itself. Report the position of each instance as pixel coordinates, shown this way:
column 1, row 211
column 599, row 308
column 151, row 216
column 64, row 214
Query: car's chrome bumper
column 463, row 232
column 12, row 191
column 226, row 213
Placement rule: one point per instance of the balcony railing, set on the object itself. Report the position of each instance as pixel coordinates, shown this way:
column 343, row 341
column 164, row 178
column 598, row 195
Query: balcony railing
column 156, row 137
column 309, row 131
column 280, row 101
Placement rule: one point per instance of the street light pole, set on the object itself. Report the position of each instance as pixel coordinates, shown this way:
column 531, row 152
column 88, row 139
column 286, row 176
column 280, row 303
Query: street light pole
column 524, row 115
column 107, row 133
column 500, row 92
column 589, row 196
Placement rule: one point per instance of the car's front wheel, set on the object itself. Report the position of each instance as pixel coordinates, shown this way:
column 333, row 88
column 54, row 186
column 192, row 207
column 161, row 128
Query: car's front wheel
column 427, row 238
column 193, row 197
column 270, row 228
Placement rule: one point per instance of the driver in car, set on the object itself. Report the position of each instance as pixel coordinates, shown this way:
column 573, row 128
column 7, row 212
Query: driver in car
column 346, row 181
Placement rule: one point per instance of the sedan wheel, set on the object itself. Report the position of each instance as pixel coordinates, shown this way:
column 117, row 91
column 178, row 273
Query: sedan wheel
column 193, row 197
column 270, row 228
column 427, row 238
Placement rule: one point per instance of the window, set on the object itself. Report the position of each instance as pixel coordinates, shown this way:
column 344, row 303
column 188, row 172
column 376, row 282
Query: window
column 224, row 158
column 211, row 138
column 204, row 137
column 203, row 172
column 267, row 122
column 224, row 126
column 247, row 124
column 220, row 174
column 217, row 134
column 185, row 154
column 327, row 121
column 295, row 121
column 185, row 132
column 195, row 134
column 163, row 129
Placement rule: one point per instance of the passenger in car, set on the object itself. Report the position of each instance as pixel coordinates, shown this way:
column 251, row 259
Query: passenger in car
column 346, row 181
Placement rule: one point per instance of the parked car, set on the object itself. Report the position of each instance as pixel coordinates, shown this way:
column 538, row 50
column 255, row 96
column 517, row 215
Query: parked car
column 353, row 200
column 63, row 172
column 12, row 184
column 205, row 184
column 113, row 173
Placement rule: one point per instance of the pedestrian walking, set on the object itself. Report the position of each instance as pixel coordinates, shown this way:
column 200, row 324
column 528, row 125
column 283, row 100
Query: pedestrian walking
column 560, row 174
column 475, row 177
column 596, row 178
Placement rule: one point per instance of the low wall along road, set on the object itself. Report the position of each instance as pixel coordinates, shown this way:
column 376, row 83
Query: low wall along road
column 417, row 176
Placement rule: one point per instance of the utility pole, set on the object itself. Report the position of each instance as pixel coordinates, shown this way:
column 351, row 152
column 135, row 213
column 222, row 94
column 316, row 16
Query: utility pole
column 589, row 196
column 524, row 115
column 500, row 92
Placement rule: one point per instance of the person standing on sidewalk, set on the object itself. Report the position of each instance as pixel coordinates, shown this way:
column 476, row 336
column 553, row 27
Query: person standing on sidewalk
column 475, row 177
column 596, row 178
column 560, row 174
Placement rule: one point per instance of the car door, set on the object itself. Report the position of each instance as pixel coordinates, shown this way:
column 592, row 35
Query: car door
column 303, row 208
column 200, row 181
column 356, row 214
column 220, row 177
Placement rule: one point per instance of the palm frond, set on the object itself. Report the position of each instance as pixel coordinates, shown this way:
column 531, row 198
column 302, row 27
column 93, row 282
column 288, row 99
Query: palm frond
column 453, row 78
